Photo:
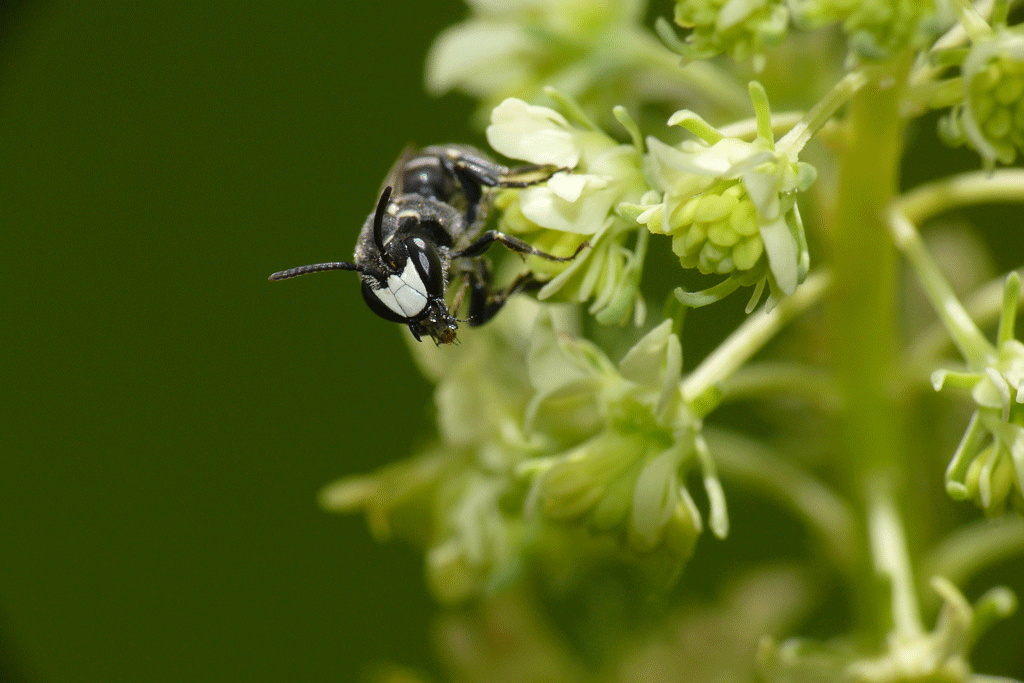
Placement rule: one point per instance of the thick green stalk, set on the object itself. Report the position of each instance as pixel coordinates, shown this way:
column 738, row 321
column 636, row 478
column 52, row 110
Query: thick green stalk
column 864, row 343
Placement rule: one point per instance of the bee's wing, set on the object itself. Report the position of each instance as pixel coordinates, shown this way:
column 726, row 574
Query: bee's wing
column 395, row 178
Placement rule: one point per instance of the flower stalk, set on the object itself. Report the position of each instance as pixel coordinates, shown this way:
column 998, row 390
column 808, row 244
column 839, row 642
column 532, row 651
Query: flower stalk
column 863, row 309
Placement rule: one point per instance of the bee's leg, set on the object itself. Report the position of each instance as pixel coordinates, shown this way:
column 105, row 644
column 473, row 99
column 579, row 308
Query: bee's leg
column 485, row 240
column 529, row 174
column 475, row 173
column 483, row 172
column 484, row 304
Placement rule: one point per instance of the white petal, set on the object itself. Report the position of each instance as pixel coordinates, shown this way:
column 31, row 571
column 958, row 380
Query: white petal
column 763, row 189
column 783, row 252
column 585, row 216
column 535, row 134
column 568, row 186
column 670, row 157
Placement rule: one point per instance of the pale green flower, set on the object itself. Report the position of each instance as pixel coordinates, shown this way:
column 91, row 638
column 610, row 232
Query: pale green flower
column 626, row 476
column 574, row 206
column 573, row 439
column 604, row 172
column 516, row 48
column 730, row 206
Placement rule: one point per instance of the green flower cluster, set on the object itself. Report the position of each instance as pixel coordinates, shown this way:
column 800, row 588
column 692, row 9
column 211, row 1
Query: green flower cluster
column 742, row 29
column 577, row 206
column 625, row 475
column 990, row 117
column 988, row 466
column 730, row 205
column 878, row 30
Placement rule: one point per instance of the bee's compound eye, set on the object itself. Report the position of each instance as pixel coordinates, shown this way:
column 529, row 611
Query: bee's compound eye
column 425, row 259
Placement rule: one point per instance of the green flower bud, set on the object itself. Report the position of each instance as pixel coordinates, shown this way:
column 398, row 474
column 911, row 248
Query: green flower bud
column 680, row 533
column 451, row 576
column 656, row 497
column 990, row 478
column 581, row 476
column 718, row 233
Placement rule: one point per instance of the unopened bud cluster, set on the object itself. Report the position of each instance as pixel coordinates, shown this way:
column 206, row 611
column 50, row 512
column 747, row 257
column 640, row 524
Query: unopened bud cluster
column 742, row 30
column 991, row 116
column 722, row 236
column 875, row 30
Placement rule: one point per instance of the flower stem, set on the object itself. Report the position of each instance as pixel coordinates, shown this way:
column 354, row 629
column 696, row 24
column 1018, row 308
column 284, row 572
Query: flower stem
column 974, row 547
column 703, row 77
column 769, row 379
column 1003, row 185
column 794, row 141
column 864, row 345
column 968, row 338
column 983, row 306
column 891, row 559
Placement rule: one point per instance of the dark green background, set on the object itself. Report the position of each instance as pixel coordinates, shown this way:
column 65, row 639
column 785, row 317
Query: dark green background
column 169, row 415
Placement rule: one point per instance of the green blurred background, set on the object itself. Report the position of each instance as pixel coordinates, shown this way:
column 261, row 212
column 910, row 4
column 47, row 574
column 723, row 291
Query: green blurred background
column 169, row 415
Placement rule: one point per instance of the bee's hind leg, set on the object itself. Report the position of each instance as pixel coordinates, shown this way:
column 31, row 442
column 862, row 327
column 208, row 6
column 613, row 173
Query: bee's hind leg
column 515, row 244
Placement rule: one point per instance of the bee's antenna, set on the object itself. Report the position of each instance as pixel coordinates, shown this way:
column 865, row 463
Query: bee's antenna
column 316, row 268
column 378, row 220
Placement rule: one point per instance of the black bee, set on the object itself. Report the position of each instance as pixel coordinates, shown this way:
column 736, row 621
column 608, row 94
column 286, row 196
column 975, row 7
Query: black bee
column 427, row 231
